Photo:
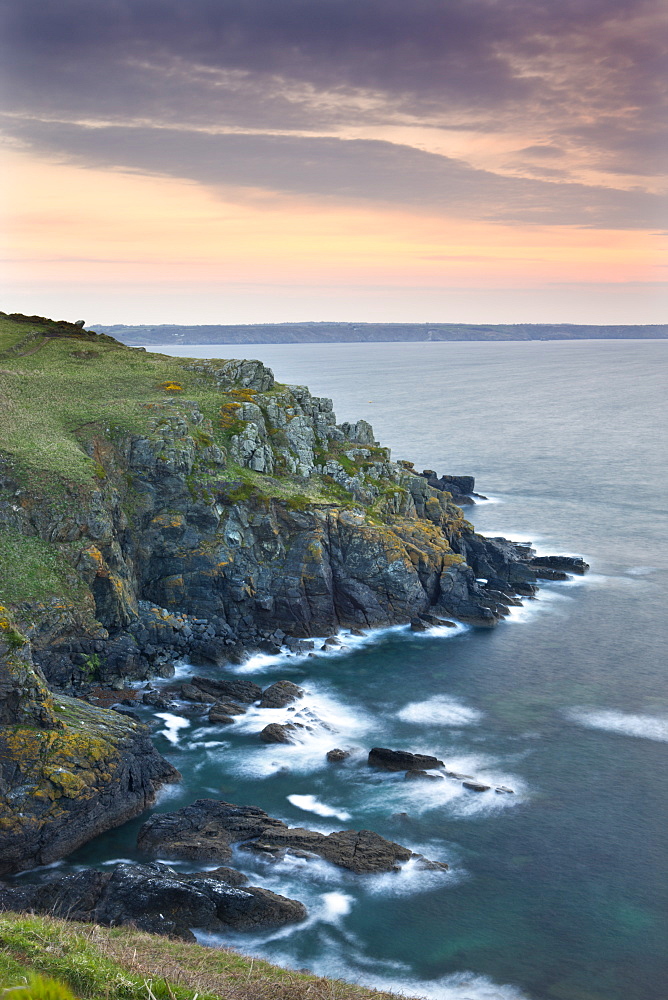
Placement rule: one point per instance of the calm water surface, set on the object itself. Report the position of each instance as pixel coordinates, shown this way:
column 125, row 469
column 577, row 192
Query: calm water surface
column 558, row 891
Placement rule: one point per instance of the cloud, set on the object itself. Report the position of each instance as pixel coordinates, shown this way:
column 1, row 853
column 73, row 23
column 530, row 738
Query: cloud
column 578, row 79
column 343, row 170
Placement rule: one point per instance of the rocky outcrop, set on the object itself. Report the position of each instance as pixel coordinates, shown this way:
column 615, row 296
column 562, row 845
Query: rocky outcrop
column 157, row 899
column 401, row 760
column 68, row 771
column 207, row 829
column 271, row 523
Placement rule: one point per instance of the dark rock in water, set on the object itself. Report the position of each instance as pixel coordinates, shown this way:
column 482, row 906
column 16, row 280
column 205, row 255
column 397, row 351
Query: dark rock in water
column 191, row 693
column 460, row 777
column 418, row 626
column 331, row 641
column 570, row 564
column 218, row 716
column 157, row 899
column 431, row 866
column 280, row 694
column 504, row 790
column 401, row 760
column 277, row 732
column 336, row 756
column 546, row 573
column 208, row 828
column 357, row 631
column 476, row 786
column 223, row 712
column 416, row 775
column 229, row 687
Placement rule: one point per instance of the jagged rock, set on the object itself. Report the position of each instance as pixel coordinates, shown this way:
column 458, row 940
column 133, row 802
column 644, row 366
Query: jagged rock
column 208, row 828
column 402, row 760
column 277, row 732
column 157, row 899
column 336, row 756
column 418, row 626
column 228, row 687
column 280, row 694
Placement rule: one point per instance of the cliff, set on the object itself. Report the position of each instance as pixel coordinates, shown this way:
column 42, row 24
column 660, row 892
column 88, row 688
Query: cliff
column 152, row 507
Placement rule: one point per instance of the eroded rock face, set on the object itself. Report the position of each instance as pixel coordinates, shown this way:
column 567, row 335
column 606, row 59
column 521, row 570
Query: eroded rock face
column 157, row 899
column 206, row 830
column 68, row 770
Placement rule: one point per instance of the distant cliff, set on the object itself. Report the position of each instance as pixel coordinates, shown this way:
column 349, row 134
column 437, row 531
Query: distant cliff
column 332, row 333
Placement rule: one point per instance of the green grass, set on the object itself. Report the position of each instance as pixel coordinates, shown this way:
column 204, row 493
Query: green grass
column 33, row 570
column 98, row 963
column 75, row 385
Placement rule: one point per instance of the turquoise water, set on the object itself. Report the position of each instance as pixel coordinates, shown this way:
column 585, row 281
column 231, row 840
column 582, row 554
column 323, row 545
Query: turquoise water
column 558, row 891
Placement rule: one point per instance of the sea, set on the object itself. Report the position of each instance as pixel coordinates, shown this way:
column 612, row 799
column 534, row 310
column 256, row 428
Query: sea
column 557, row 891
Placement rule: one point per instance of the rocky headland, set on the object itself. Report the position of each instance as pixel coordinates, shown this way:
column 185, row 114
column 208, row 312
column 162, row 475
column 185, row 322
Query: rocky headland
column 155, row 509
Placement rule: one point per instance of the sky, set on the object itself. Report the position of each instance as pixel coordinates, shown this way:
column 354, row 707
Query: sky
column 241, row 161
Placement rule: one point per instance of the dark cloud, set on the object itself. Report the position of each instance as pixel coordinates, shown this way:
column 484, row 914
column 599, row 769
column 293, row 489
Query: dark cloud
column 342, row 170
column 585, row 73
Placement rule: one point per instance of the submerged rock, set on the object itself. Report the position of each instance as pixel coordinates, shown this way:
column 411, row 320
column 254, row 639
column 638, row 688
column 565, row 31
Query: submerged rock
column 277, row 732
column 155, row 898
column 207, row 829
column 416, row 775
column 476, row 786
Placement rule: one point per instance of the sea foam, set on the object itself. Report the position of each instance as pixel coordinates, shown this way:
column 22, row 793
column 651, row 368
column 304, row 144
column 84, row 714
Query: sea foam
column 309, row 803
column 648, row 727
column 439, row 710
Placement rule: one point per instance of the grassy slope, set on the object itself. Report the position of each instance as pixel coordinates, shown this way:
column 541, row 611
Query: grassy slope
column 98, row 963
column 61, row 386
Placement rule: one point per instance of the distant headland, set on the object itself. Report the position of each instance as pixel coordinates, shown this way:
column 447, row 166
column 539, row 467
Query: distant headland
column 338, row 333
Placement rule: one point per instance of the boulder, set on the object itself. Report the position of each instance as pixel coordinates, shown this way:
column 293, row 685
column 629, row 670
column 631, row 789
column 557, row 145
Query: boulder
column 336, row 756
column 280, row 694
column 401, row 760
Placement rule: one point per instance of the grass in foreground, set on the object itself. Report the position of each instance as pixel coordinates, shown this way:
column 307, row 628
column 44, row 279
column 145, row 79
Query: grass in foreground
column 99, row 963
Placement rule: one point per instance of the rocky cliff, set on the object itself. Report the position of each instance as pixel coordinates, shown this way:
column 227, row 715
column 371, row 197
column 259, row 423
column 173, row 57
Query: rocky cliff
column 154, row 507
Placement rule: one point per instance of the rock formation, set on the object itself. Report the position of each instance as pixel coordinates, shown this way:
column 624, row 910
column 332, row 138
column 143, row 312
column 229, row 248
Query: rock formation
column 157, row 899
column 206, row 830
